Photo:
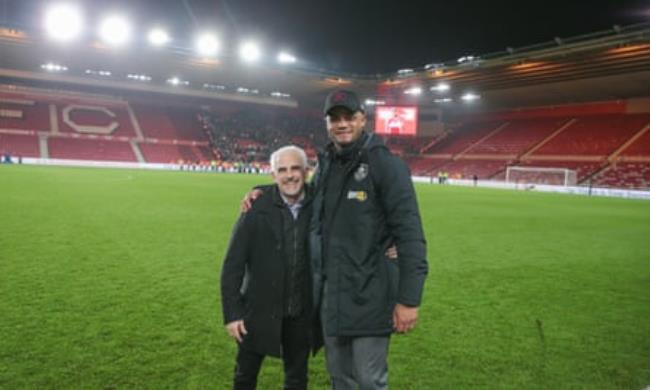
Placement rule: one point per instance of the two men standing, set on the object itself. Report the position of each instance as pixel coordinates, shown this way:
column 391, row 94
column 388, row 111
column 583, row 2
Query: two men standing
column 363, row 203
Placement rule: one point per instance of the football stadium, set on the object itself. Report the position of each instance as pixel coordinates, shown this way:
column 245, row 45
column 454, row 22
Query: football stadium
column 126, row 152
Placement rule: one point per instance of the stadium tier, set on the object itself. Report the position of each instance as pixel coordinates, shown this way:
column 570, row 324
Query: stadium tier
column 463, row 138
column 606, row 149
column 19, row 145
column 597, row 135
column 407, row 144
column 624, row 175
column 640, row 147
column 517, row 137
column 70, row 125
column 90, row 149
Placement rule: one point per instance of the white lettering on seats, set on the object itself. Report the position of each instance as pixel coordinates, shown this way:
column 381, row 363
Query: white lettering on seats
column 14, row 113
column 90, row 129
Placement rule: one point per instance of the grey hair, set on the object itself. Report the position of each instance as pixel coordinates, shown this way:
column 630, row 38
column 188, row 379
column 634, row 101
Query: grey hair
column 289, row 148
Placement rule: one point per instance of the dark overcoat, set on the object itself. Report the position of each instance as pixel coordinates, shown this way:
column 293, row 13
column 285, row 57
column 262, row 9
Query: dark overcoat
column 253, row 274
column 374, row 206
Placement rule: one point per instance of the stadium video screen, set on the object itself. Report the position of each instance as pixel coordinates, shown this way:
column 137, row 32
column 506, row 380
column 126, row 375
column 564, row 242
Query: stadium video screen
column 392, row 120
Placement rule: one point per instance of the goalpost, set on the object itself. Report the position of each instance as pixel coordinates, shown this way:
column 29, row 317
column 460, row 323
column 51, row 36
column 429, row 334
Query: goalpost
column 541, row 175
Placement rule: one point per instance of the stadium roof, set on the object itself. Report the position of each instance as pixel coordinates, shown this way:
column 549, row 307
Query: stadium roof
column 610, row 64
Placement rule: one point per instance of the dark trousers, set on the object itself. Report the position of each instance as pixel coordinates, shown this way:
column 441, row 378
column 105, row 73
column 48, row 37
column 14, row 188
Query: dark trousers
column 295, row 355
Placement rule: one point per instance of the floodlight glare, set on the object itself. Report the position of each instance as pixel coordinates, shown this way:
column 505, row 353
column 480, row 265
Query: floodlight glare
column 52, row 67
column 115, row 30
column 286, row 58
column 443, row 100
column 63, row 22
column 413, row 91
column 207, row 45
column 158, row 37
column 469, row 97
column 250, row 52
column 441, row 87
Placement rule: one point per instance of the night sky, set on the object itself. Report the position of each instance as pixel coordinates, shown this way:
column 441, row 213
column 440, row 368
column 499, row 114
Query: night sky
column 362, row 36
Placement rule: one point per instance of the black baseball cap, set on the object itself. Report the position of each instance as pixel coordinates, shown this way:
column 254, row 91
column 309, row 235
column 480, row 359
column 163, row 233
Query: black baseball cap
column 343, row 98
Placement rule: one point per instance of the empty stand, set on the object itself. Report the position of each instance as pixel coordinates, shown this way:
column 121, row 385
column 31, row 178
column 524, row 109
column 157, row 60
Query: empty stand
column 21, row 114
column 162, row 153
column 169, row 123
column 406, row 144
column 465, row 169
column 624, row 175
column 597, row 135
column 19, row 145
column 517, row 137
column 95, row 119
column 154, row 122
column 90, row 149
column 423, row 166
column 640, row 147
column 464, row 137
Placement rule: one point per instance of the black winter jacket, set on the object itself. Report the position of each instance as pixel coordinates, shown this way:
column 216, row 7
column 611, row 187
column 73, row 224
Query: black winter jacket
column 257, row 269
column 370, row 206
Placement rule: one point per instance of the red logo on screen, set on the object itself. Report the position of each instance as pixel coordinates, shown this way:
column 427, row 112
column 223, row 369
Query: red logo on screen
column 339, row 96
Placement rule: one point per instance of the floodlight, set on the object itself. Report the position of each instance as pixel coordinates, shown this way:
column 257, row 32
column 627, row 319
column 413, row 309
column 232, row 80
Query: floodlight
column 250, row 52
column 52, row 67
column 286, row 58
column 441, row 87
column 104, row 73
column 175, row 81
column 372, row 102
column 443, row 100
column 138, row 77
column 158, row 37
column 115, row 30
column 207, row 45
column 413, row 91
column 63, row 22
column 279, row 94
column 469, row 97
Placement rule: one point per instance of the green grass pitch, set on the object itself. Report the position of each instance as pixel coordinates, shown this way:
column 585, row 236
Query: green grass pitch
column 110, row 279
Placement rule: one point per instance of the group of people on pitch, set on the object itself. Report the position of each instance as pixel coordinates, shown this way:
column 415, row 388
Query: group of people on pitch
column 338, row 262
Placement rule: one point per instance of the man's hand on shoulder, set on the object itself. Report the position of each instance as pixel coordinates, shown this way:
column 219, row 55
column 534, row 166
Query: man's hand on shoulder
column 249, row 198
column 236, row 330
column 404, row 318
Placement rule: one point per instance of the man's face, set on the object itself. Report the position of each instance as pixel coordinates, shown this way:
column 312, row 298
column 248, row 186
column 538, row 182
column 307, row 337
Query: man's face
column 290, row 174
column 344, row 126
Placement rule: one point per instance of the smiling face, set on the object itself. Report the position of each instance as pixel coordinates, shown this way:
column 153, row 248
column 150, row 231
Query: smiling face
column 289, row 174
column 344, row 126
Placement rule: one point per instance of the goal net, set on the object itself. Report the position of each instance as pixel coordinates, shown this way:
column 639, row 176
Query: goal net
column 541, row 175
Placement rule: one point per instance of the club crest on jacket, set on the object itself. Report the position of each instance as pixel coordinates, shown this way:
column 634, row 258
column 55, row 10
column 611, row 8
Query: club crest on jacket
column 361, row 172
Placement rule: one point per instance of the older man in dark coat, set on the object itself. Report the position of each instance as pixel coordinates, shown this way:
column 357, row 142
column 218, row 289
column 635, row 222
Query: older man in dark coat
column 265, row 280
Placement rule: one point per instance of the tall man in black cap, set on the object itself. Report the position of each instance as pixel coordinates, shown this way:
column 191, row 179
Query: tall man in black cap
column 364, row 202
